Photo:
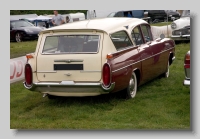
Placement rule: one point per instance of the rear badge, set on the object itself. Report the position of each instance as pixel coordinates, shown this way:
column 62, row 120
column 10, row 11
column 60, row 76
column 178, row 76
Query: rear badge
column 44, row 75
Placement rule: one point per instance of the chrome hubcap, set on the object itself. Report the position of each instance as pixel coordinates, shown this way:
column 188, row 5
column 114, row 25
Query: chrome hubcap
column 167, row 73
column 132, row 86
column 18, row 37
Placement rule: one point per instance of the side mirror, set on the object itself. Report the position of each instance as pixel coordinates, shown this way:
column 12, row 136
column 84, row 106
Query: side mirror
column 162, row 36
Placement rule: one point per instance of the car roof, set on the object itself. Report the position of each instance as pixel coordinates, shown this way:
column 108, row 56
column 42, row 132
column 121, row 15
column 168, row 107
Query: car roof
column 108, row 25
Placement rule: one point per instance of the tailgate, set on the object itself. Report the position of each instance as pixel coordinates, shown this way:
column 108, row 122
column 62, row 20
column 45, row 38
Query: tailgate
column 70, row 58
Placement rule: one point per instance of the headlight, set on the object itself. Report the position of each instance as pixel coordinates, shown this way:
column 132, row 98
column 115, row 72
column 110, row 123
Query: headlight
column 28, row 30
column 173, row 25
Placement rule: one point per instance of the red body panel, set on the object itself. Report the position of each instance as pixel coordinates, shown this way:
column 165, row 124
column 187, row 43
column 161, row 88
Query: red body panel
column 150, row 59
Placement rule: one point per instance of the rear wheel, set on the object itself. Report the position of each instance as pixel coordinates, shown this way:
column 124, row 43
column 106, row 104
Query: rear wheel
column 18, row 37
column 132, row 87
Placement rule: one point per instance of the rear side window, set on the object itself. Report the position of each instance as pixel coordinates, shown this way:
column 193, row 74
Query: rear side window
column 121, row 40
column 71, row 44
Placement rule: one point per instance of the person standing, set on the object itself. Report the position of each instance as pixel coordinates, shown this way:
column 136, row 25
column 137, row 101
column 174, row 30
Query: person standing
column 129, row 14
column 67, row 19
column 57, row 19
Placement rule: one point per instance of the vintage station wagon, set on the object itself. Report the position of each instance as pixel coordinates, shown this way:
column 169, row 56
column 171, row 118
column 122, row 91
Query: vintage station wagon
column 98, row 56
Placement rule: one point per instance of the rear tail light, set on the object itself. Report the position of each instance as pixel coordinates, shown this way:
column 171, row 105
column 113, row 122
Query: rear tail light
column 106, row 75
column 187, row 60
column 28, row 74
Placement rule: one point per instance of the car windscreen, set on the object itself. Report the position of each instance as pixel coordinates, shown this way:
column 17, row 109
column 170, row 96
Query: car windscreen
column 71, row 44
column 20, row 23
column 111, row 14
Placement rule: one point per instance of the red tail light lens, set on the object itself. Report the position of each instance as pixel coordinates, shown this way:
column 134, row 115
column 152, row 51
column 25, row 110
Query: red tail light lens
column 187, row 61
column 28, row 74
column 106, row 74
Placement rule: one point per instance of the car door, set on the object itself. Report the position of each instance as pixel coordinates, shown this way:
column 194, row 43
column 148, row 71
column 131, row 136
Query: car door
column 157, row 51
column 145, row 54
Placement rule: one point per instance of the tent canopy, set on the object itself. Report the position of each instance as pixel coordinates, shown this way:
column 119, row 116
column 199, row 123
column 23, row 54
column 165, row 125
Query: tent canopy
column 38, row 18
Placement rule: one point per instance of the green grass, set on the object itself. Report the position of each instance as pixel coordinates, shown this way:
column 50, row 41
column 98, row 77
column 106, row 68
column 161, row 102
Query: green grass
column 163, row 103
column 161, row 24
column 22, row 48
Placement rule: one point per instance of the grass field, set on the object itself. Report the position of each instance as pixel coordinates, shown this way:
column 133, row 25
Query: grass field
column 161, row 24
column 163, row 103
column 22, row 48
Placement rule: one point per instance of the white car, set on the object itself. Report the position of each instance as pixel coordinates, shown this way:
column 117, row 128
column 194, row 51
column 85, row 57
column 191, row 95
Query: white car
column 181, row 28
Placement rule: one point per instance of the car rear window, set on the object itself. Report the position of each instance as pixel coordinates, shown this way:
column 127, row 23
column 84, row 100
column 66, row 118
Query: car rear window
column 71, row 44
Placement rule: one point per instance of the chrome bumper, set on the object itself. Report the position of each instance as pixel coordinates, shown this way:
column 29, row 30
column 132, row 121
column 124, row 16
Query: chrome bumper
column 64, row 88
column 186, row 82
column 180, row 37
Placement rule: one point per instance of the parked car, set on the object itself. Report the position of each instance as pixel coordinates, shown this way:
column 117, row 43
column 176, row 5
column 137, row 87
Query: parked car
column 97, row 56
column 181, row 28
column 157, row 15
column 172, row 15
column 40, row 21
column 186, row 81
column 130, row 13
column 21, row 30
column 91, row 14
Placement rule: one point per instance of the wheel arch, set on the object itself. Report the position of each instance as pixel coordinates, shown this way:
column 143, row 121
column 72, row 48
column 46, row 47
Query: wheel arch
column 171, row 55
column 138, row 75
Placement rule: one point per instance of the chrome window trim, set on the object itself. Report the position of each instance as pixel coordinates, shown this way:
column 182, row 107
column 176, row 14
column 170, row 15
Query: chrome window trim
column 128, row 37
column 107, row 86
column 43, row 53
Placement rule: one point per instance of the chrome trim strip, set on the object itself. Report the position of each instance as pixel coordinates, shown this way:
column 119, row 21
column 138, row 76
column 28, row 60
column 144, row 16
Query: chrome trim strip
column 68, row 60
column 90, row 71
column 176, row 36
column 45, row 71
column 126, row 66
column 141, row 60
column 60, row 84
column 109, row 89
column 72, row 84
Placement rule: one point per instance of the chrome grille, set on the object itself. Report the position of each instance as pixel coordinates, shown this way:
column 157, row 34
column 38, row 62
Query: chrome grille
column 185, row 31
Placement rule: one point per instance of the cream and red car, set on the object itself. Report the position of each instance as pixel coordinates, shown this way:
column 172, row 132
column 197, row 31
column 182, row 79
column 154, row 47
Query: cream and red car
column 98, row 56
